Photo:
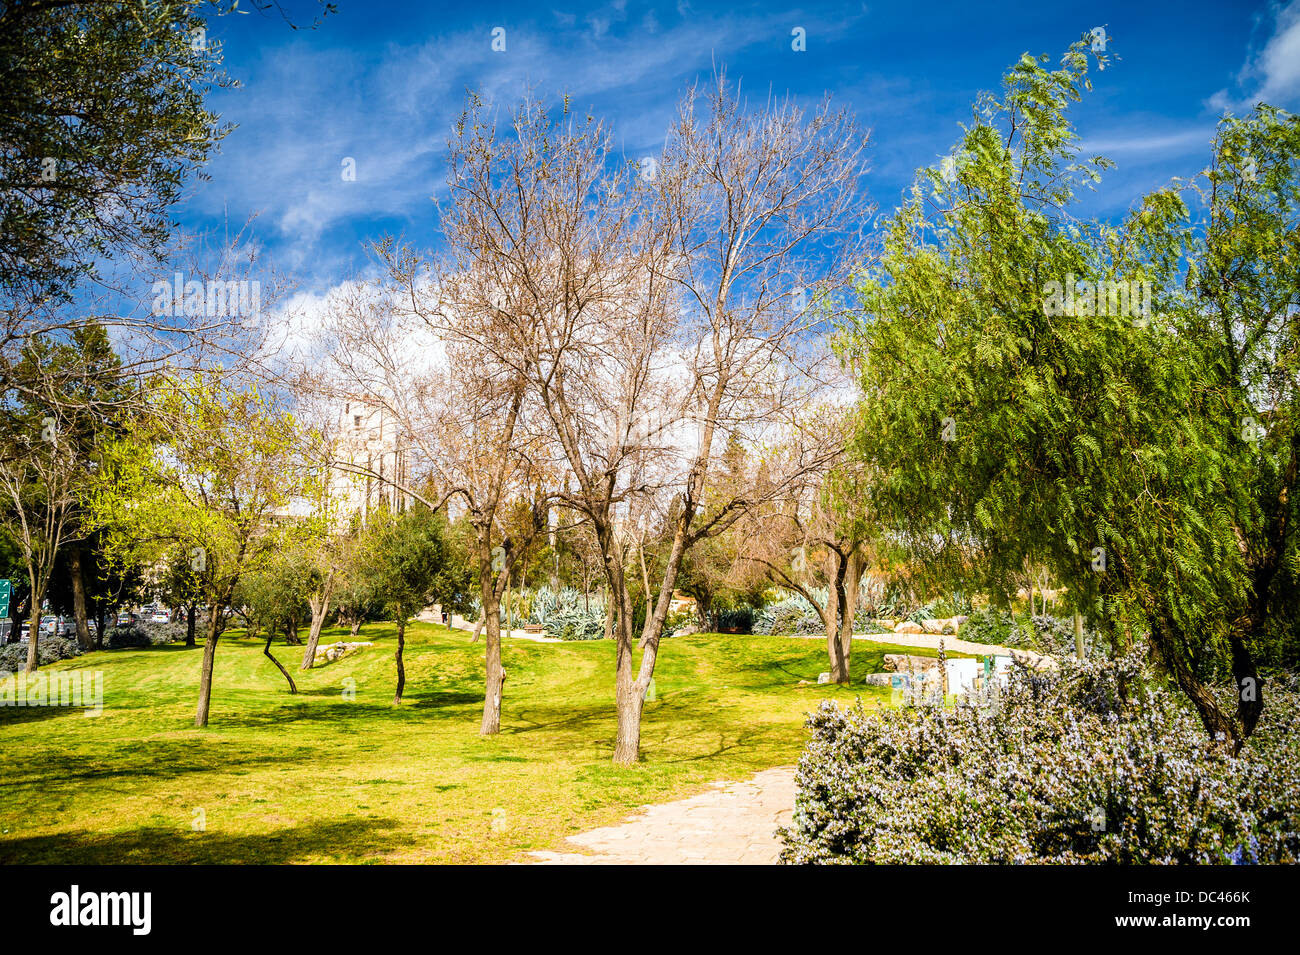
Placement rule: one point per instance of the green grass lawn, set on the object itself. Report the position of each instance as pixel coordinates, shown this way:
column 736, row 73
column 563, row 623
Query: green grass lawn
column 318, row 777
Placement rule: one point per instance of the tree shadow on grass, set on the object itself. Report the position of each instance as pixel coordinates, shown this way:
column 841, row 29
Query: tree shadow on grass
column 539, row 718
column 421, row 707
column 780, row 673
column 350, row 839
column 741, row 740
column 155, row 648
column 161, row 761
column 439, row 700
column 14, row 715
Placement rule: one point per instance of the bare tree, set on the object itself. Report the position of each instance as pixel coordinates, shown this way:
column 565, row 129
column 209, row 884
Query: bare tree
column 763, row 213
column 659, row 309
column 40, row 478
column 414, row 348
column 811, row 541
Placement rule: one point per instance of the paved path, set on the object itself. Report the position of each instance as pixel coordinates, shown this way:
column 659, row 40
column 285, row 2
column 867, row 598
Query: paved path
column 460, row 623
column 734, row 823
column 929, row 640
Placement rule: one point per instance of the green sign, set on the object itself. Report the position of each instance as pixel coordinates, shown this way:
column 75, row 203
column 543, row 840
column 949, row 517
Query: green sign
column 6, row 589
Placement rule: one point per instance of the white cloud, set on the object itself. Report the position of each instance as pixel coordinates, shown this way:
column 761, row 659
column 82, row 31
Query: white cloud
column 1151, row 145
column 1272, row 74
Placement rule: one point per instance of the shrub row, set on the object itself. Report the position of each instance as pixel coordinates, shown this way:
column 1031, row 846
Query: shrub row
column 1093, row 763
column 49, row 649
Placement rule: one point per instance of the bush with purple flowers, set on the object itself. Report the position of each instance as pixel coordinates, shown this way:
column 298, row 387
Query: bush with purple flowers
column 1093, row 763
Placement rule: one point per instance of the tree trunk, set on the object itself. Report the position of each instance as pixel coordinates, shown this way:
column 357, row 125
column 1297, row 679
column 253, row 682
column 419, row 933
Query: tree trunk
column 1222, row 728
column 191, row 617
column 320, row 608
column 845, row 573
column 101, row 619
column 78, row 597
column 830, row 615
column 495, row 680
column 702, row 614
column 1078, row 635
column 401, row 668
column 629, row 699
column 209, row 658
column 1250, row 691
column 356, row 626
column 33, row 637
column 630, row 702
column 854, row 563
column 267, row 650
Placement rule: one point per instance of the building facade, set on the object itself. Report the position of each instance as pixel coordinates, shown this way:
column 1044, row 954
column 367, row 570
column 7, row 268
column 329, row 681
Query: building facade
column 372, row 462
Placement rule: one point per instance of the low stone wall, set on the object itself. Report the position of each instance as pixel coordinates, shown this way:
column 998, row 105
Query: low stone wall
column 336, row 651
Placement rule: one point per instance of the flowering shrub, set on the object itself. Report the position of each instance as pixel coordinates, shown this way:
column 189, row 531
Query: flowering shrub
column 1092, row 763
column 49, row 649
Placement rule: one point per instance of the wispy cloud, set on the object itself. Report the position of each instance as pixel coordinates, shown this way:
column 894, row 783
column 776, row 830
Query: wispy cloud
column 386, row 112
column 1151, row 145
column 1271, row 74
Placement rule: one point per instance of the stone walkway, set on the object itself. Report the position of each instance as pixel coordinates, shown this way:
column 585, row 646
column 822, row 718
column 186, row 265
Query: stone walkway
column 733, row 824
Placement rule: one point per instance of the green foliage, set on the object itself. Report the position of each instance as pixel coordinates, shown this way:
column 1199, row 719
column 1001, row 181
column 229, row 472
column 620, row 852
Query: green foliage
column 792, row 614
column 200, row 483
column 273, row 597
column 127, row 636
column 1008, row 427
column 1042, row 633
column 990, row 625
column 102, row 124
column 406, row 560
column 65, row 402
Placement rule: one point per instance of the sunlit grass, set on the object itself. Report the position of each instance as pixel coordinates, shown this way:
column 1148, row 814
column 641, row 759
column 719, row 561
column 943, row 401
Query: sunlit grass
column 319, row 777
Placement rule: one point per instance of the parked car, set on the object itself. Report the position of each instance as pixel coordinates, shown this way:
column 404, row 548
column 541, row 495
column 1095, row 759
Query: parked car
column 161, row 616
column 58, row 626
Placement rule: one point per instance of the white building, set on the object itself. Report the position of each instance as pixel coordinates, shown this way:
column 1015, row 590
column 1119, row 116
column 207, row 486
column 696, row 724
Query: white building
column 372, row 462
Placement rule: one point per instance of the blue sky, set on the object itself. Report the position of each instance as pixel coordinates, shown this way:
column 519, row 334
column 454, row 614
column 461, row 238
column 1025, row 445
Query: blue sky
column 381, row 83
